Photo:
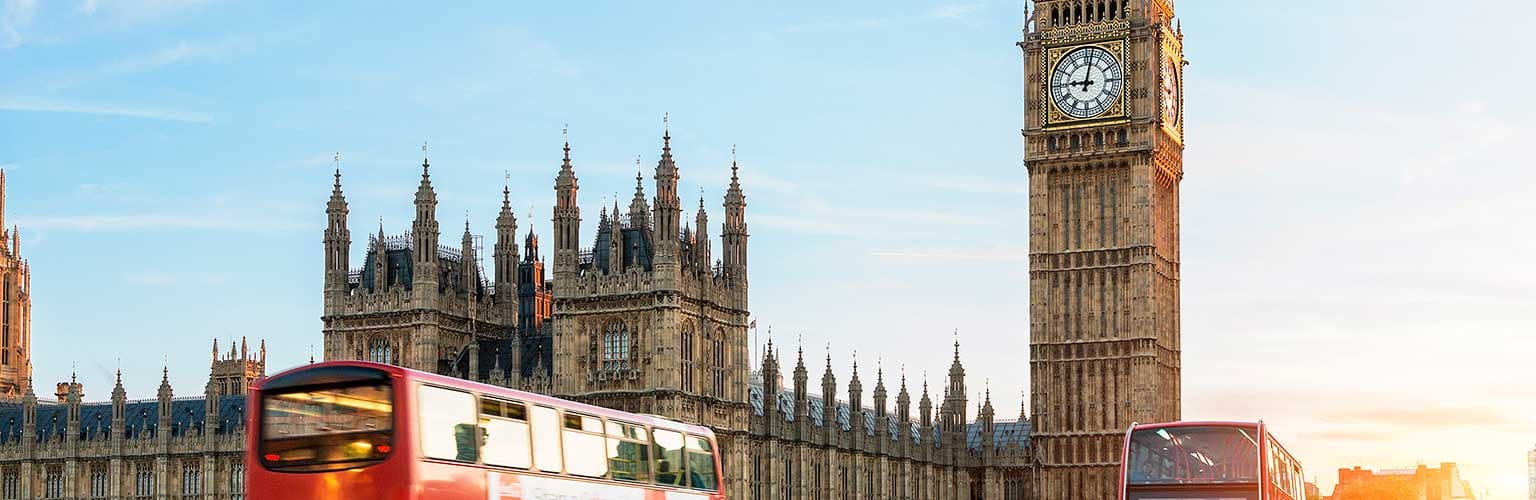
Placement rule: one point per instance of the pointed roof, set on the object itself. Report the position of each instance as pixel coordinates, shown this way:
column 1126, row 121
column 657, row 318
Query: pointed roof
column 424, row 193
column 506, row 218
column 567, row 177
column 338, row 200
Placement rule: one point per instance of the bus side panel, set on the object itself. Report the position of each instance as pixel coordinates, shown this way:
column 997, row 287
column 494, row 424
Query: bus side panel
column 382, row 481
column 437, row 480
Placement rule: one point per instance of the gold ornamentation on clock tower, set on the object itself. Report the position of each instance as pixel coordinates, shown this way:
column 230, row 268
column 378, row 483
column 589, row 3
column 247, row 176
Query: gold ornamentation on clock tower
column 1103, row 143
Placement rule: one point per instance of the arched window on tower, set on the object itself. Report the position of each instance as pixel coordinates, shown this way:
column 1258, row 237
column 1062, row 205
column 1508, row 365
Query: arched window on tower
column 1055, row 16
column 1114, row 9
column 616, row 346
column 1050, row 144
column 378, row 350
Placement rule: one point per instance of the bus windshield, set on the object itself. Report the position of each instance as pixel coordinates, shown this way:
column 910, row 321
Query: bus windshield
column 331, row 428
column 1193, row 455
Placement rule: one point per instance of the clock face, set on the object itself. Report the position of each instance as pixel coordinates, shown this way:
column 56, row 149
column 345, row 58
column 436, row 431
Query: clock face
column 1170, row 92
column 1086, row 82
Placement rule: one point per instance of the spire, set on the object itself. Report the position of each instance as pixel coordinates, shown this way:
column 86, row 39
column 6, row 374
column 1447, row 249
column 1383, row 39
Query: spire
column 336, row 188
column 668, row 206
column 639, row 211
column 424, row 163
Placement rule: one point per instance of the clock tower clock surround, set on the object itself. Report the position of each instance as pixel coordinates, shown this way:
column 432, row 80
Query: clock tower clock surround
column 1103, row 231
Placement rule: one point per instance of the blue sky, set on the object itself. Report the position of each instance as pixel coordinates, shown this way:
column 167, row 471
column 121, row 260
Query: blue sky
column 1355, row 261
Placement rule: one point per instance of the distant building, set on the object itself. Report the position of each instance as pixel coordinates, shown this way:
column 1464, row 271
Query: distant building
column 1421, row 483
column 1312, row 492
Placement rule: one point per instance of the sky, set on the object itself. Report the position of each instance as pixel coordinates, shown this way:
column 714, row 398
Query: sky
column 1355, row 212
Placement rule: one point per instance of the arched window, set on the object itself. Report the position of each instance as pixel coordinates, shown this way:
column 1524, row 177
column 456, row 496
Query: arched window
column 1077, row 13
column 1101, row 10
column 1098, row 139
column 378, row 350
column 1114, row 9
column 1122, row 137
column 1055, row 16
column 616, row 347
column 1050, row 144
column 1075, row 143
column 1090, row 12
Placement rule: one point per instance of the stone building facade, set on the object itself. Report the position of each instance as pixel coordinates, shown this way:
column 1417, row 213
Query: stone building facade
column 163, row 448
column 652, row 318
column 15, row 309
column 1103, row 143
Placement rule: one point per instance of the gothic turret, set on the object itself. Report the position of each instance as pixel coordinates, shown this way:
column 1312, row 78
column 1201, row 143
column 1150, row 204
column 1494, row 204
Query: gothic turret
column 828, row 392
column 855, row 390
column 119, row 407
column 424, row 239
column 639, row 211
column 28, row 411
column 903, row 401
column 567, row 221
column 506, row 258
column 72, row 397
column 669, row 207
column 954, row 410
column 925, row 406
column 733, row 234
column 701, row 254
column 163, row 395
column 879, row 390
column 469, row 271
column 985, row 417
column 338, row 244
column 801, row 377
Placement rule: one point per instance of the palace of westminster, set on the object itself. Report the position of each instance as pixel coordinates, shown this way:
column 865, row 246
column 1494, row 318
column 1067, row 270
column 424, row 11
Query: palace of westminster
column 653, row 318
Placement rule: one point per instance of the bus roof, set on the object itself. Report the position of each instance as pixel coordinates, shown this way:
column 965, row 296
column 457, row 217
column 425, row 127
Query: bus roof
column 652, row 420
column 1215, row 423
column 1195, row 423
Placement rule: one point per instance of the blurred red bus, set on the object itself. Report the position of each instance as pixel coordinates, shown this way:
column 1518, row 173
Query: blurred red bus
column 1207, row 461
column 352, row 429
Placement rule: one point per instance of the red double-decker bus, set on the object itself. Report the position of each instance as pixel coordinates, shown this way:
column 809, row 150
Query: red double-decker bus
column 352, row 429
column 1207, row 461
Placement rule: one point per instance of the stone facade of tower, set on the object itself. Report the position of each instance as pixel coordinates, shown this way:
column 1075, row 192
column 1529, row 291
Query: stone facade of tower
column 15, row 309
column 644, row 319
column 1103, row 145
column 419, row 303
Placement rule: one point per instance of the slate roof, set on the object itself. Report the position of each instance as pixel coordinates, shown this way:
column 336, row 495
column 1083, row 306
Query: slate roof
column 140, row 418
column 1006, row 432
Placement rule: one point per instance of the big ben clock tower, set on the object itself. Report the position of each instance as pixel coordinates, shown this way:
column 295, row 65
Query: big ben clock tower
column 1103, row 143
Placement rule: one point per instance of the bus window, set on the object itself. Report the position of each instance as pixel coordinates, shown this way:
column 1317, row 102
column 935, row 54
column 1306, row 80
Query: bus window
column 584, row 443
column 546, row 438
column 629, row 452
column 701, row 464
column 669, row 458
column 448, row 424
column 506, row 433
column 328, row 428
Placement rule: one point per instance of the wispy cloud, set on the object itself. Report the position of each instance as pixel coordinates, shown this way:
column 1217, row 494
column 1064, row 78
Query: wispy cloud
column 14, row 22
column 981, row 187
column 87, row 7
column 52, row 106
column 978, row 254
column 181, row 51
column 168, row 279
column 120, row 222
column 954, row 11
